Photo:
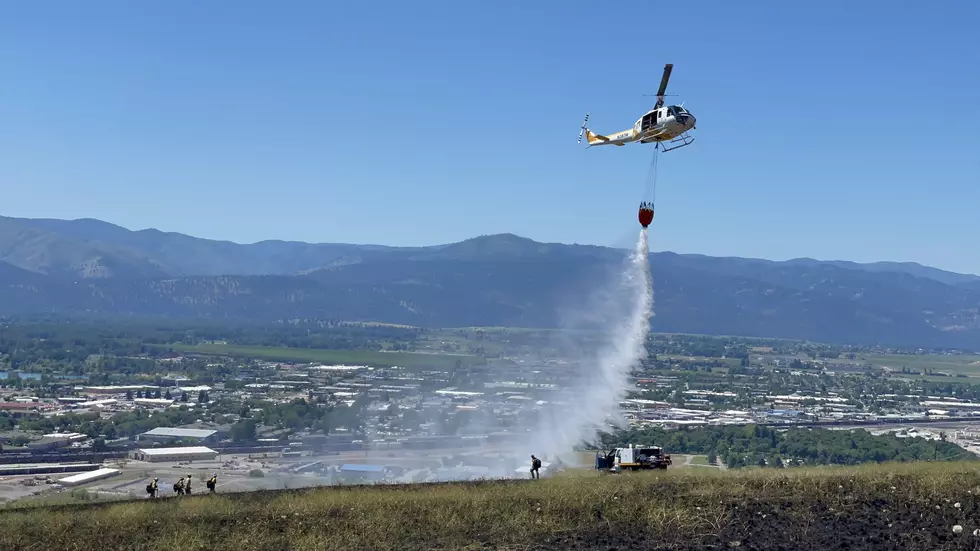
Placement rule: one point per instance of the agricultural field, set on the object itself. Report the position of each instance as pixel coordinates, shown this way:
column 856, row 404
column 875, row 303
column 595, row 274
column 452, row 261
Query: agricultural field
column 408, row 360
column 953, row 364
column 731, row 362
column 917, row 506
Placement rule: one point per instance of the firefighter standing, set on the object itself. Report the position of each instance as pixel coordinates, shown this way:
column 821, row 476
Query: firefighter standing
column 151, row 488
column 187, row 485
column 535, row 465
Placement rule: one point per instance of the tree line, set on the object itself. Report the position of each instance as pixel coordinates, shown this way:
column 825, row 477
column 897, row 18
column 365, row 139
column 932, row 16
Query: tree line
column 755, row 445
column 131, row 346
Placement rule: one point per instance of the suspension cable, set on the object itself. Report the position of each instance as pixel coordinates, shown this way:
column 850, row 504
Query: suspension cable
column 650, row 190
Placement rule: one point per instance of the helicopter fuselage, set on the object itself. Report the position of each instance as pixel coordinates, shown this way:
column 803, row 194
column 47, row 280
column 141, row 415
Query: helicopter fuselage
column 665, row 123
column 656, row 125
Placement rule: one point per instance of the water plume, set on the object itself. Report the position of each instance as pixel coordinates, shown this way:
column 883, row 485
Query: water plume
column 603, row 338
column 622, row 309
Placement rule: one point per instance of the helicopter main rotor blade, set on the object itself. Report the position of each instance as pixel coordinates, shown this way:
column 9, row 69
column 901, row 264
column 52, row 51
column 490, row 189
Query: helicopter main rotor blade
column 663, row 81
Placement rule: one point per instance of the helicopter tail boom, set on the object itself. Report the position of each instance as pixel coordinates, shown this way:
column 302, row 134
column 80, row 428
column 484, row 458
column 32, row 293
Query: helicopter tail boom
column 599, row 139
column 619, row 138
column 595, row 139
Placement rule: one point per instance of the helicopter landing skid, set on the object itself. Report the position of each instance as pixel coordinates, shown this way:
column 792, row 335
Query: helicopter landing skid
column 683, row 139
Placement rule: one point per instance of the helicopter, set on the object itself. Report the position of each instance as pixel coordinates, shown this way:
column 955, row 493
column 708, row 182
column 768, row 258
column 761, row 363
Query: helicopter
column 661, row 124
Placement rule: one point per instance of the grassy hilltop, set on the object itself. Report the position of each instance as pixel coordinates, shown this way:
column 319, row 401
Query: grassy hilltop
column 886, row 506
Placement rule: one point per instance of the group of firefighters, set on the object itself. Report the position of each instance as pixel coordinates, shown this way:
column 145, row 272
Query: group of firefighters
column 182, row 486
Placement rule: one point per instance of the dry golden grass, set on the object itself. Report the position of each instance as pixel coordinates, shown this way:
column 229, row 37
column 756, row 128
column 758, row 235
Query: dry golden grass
column 677, row 509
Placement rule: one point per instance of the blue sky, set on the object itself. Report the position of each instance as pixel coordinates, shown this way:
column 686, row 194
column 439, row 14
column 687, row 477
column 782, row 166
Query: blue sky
column 835, row 130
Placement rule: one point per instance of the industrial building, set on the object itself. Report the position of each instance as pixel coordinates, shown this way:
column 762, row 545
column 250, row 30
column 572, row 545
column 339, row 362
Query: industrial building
column 169, row 434
column 153, row 402
column 56, row 440
column 91, row 476
column 47, row 468
column 194, row 390
column 116, row 389
column 370, row 472
column 95, row 405
column 190, row 453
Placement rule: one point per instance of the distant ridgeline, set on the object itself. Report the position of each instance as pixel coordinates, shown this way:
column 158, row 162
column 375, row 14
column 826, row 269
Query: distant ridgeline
column 88, row 266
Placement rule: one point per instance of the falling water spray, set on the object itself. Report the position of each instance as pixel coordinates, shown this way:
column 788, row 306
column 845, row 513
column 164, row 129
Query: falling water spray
column 623, row 309
column 615, row 314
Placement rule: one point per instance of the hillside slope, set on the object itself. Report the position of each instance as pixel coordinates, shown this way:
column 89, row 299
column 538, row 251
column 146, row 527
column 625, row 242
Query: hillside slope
column 92, row 266
column 910, row 268
column 873, row 508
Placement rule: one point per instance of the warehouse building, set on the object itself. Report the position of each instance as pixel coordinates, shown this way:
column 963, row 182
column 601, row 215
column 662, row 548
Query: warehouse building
column 91, row 476
column 191, row 453
column 46, row 468
column 95, row 405
column 170, row 434
column 194, row 390
column 153, row 402
column 115, row 389
column 56, row 440
column 352, row 472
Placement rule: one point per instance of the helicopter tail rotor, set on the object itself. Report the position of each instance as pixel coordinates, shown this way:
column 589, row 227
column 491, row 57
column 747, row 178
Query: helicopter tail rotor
column 584, row 128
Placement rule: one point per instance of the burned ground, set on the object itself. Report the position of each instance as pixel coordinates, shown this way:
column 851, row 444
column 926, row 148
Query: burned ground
column 865, row 524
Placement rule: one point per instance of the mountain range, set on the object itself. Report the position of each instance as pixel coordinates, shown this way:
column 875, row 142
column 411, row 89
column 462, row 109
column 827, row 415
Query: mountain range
column 72, row 266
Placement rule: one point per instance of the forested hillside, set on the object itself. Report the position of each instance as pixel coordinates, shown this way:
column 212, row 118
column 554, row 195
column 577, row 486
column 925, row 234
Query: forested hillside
column 83, row 266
